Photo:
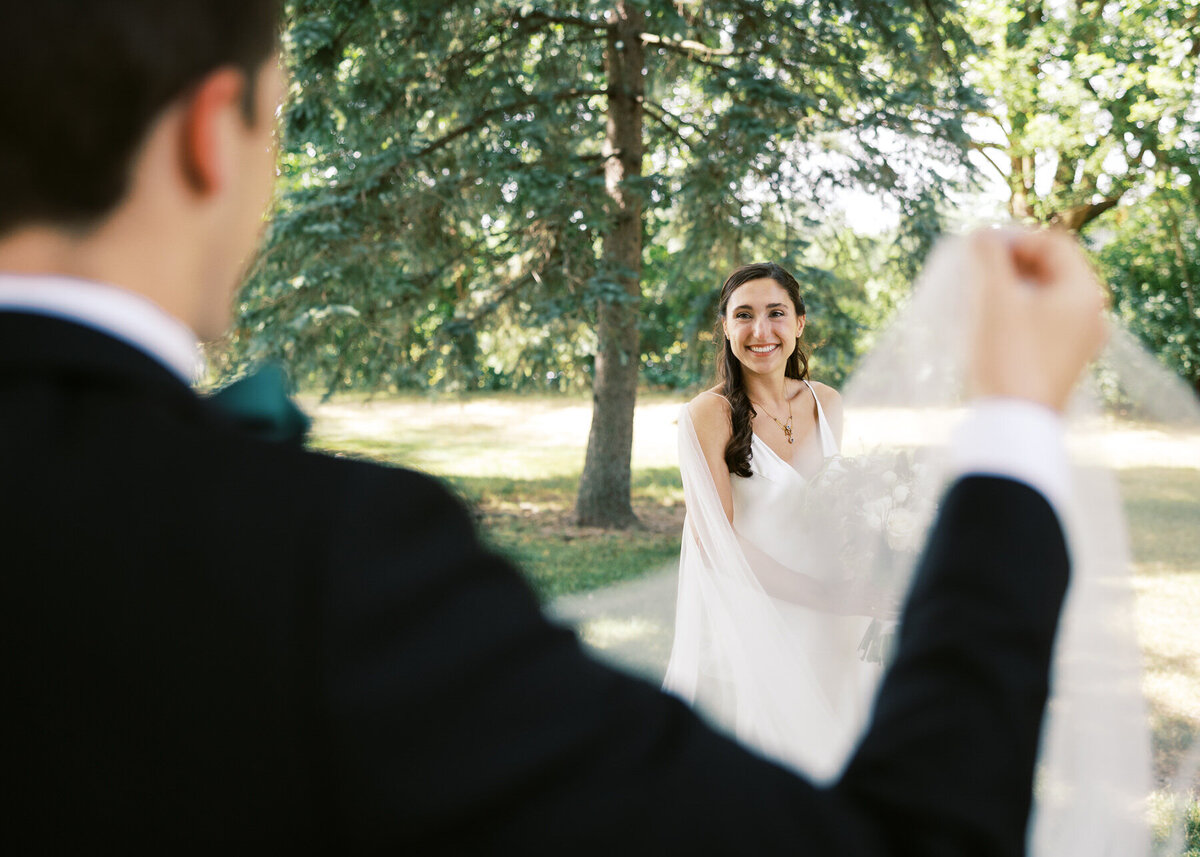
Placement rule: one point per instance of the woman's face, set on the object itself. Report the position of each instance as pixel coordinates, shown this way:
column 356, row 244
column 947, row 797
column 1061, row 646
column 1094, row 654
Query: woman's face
column 762, row 326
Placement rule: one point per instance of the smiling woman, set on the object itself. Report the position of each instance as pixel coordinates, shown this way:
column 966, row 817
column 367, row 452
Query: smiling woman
column 755, row 605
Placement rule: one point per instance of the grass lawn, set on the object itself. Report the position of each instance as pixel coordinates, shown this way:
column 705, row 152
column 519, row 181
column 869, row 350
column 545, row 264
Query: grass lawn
column 517, row 460
column 1163, row 505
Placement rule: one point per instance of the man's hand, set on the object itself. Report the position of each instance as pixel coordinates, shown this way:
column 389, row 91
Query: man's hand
column 1038, row 316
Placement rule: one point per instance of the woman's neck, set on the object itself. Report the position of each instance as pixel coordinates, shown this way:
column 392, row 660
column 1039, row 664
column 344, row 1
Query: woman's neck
column 768, row 391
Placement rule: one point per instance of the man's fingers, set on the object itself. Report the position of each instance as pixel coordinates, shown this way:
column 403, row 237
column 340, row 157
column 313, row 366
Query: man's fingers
column 1049, row 256
column 1040, row 257
column 992, row 258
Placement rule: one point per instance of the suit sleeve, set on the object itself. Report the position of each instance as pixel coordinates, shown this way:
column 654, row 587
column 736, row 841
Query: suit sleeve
column 459, row 720
column 947, row 764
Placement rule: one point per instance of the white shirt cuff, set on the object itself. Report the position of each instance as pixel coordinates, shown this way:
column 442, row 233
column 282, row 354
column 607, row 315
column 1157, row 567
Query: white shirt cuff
column 1015, row 439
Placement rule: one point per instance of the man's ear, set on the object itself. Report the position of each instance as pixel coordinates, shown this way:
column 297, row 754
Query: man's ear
column 212, row 115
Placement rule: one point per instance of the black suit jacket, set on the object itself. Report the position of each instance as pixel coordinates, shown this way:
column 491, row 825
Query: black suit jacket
column 217, row 643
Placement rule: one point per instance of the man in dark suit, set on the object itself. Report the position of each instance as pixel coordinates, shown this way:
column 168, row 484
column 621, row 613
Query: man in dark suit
column 213, row 640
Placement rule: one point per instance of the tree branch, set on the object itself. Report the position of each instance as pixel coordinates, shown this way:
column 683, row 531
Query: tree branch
column 687, row 47
column 661, row 114
column 1078, row 216
column 539, row 20
column 482, row 118
column 567, row 20
column 981, row 149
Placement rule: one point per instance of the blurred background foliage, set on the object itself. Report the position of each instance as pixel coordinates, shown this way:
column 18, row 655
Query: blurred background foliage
column 1093, row 123
column 441, row 198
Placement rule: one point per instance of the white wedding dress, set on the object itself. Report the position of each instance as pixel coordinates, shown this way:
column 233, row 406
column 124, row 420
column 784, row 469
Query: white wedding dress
column 784, row 677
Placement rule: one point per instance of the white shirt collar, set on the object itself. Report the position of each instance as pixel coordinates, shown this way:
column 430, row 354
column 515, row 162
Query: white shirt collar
column 118, row 313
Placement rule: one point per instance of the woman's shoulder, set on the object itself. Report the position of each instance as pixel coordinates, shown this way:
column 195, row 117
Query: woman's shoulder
column 711, row 399
column 825, row 394
column 710, row 413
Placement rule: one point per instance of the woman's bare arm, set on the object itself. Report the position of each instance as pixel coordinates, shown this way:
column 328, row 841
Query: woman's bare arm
column 710, row 418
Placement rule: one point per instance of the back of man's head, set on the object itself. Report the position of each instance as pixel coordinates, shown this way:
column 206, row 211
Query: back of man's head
column 81, row 82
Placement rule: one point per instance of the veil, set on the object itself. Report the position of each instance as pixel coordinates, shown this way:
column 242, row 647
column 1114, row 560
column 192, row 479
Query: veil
column 1094, row 775
column 738, row 648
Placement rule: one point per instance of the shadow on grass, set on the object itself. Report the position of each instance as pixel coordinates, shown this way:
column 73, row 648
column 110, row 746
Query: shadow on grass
column 531, row 521
column 1163, row 507
column 1175, row 733
column 372, row 449
column 647, row 485
column 1175, row 729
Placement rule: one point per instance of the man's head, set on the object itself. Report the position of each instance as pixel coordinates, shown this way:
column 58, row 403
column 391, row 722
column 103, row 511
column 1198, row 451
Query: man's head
column 106, row 100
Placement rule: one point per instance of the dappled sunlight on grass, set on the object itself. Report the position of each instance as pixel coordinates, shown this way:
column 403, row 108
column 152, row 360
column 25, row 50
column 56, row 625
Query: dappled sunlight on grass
column 1129, row 444
column 1168, row 607
column 504, row 435
column 1163, row 507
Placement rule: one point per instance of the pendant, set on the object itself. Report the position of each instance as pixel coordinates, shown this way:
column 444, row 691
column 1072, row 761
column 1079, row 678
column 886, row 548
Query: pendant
column 787, row 431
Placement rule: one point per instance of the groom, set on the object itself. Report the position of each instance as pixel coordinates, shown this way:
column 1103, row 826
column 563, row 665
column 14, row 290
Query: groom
column 215, row 642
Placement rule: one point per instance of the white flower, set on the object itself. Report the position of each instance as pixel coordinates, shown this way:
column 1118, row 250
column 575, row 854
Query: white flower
column 876, row 512
column 900, row 494
column 889, row 478
column 903, row 530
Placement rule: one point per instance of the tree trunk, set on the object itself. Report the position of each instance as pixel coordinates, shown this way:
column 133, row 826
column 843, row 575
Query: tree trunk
column 604, row 490
column 1020, row 182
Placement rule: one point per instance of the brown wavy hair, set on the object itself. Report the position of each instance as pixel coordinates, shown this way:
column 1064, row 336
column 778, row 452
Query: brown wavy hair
column 729, row 368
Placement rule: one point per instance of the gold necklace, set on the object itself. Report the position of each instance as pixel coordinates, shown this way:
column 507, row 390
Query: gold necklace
column 787, row 427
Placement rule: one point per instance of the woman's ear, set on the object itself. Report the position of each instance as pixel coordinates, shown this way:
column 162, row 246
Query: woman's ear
column 800, row 322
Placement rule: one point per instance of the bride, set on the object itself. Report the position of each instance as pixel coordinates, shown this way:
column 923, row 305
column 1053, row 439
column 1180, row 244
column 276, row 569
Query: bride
column 764, row 641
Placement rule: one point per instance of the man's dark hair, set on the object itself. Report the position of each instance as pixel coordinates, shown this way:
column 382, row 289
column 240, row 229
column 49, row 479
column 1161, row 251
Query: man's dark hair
column 82, row 80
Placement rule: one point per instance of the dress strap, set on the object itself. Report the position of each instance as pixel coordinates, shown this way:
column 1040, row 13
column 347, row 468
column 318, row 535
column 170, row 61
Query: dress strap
column 829, row 446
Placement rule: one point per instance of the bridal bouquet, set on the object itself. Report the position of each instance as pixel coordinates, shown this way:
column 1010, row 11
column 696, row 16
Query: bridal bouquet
column 871, row 516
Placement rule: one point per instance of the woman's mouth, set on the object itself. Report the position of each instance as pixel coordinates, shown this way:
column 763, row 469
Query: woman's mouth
column 761, row 349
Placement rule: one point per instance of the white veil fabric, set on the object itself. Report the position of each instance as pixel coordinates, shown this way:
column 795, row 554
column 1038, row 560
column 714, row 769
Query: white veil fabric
column 901, row 407
column 1094, row 772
